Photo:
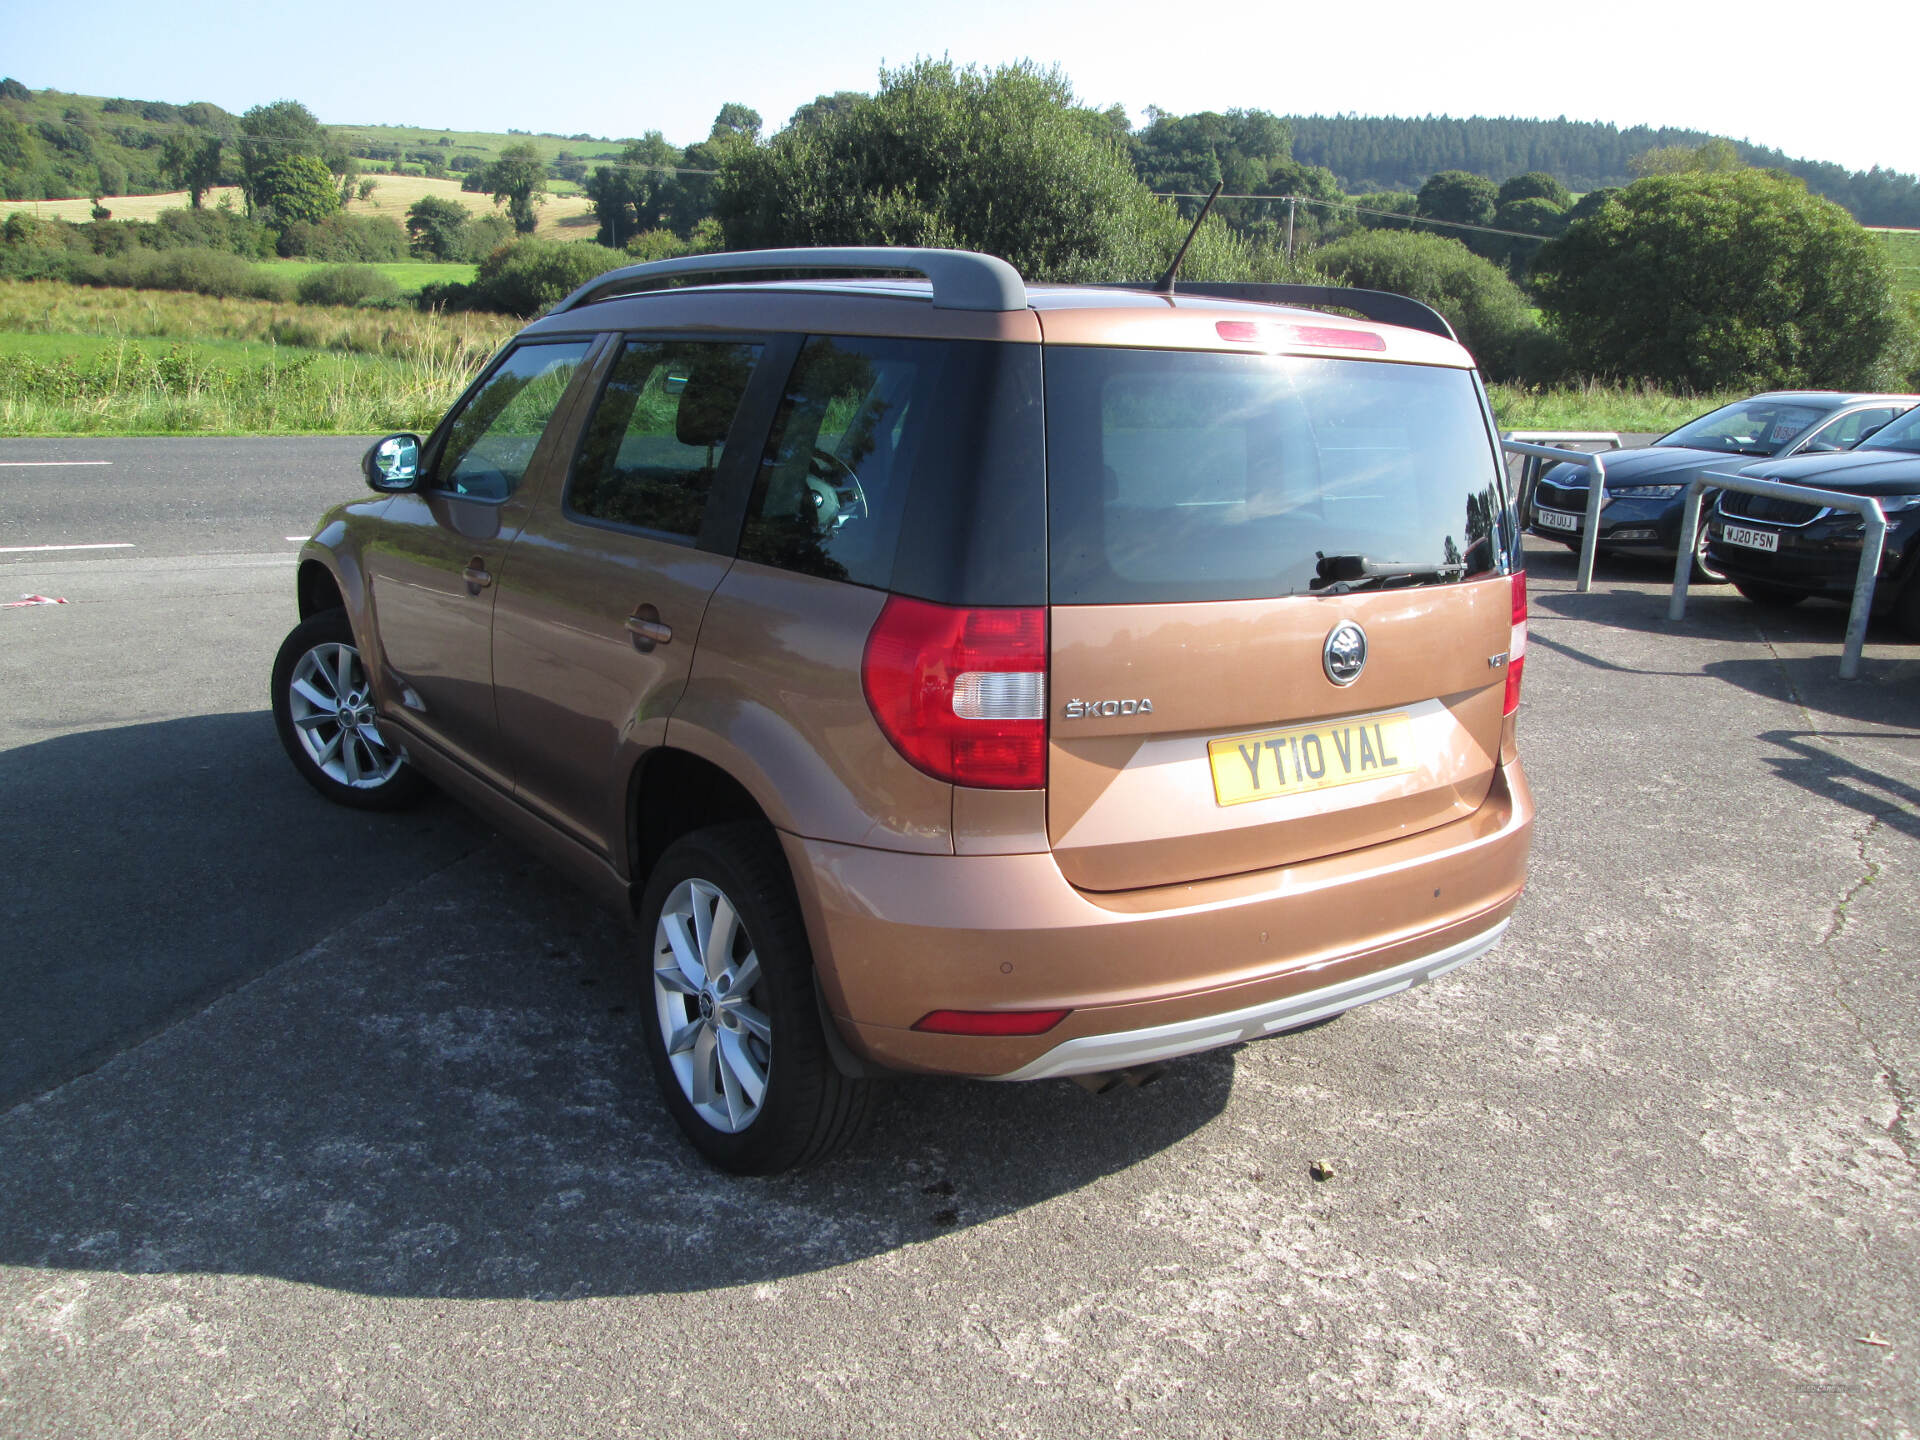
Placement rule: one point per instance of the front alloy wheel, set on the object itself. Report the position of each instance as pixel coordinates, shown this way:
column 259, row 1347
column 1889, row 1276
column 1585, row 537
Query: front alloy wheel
column 323, row 709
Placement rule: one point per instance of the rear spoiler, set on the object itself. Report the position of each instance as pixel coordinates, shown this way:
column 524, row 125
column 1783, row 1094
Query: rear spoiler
column 1378, row 305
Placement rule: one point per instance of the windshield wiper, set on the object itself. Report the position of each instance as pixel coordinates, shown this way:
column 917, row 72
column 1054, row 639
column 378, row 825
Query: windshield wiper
column 1338, row 574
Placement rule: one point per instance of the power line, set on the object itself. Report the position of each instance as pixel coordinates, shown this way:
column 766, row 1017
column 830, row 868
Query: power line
column 1360, row 210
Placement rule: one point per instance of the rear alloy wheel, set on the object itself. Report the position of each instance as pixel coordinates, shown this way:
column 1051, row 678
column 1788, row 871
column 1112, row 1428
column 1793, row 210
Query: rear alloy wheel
column 1774, row 597
column 323, row 709
column 735, row 1037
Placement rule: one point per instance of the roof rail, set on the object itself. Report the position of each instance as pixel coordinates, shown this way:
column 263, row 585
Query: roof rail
column 1379, row 305
column 962, row 279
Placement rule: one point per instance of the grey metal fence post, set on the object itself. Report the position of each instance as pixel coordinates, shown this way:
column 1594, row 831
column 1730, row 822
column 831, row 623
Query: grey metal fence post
column 1596, row 486
column 1873, row 542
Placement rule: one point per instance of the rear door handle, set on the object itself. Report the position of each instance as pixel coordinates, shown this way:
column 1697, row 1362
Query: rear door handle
column 476, row 575
column 647, row 628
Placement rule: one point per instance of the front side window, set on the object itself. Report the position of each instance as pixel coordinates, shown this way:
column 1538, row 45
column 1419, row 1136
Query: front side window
column 491, row 441
column 1196, row 476
column 1902, row 434
column 651, row 450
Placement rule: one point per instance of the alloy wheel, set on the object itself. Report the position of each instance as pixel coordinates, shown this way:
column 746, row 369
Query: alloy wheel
column 718, row 1038
column 331, row 704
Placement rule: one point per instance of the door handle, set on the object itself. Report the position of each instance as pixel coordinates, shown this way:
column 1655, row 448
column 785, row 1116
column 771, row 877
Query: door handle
column 647, row 629
column 476, row 575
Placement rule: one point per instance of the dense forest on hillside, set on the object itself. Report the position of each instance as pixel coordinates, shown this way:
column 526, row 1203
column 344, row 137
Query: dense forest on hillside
column 56, row 145
column 1380, row 153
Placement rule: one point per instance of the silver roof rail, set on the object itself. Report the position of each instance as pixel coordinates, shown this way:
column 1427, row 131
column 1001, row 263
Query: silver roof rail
column 962, row 279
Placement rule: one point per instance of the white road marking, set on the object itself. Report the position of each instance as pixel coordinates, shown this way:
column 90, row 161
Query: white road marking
column 300, row 538
column 37, row 549
column 43, row 464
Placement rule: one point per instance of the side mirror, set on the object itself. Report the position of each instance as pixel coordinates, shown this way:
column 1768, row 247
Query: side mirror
column 393, row 464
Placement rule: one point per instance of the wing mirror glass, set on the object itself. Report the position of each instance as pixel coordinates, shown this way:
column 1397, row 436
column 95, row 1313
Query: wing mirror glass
column 393, row 464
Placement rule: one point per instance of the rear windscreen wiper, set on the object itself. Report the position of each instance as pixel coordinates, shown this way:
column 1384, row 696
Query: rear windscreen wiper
column 1338, row 574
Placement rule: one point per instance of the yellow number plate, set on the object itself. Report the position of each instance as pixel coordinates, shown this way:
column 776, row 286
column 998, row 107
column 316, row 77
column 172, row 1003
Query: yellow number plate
column 1310, row 757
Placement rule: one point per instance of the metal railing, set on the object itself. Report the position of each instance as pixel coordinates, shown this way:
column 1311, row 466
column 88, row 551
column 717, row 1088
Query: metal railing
column 1525, row 443
column 1872, row 543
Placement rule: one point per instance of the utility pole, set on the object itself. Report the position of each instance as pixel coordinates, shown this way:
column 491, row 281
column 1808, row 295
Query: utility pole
column 1291, row 202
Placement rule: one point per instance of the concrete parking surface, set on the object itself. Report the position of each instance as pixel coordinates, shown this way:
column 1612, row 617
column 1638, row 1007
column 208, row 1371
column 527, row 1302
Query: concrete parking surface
column 327, row 1124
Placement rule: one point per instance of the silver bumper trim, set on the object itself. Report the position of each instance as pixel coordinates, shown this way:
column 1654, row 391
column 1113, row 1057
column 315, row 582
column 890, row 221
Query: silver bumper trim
column 1090, row 1054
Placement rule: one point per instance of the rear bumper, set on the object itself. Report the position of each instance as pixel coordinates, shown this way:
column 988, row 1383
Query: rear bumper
column 1091, row 1054
column 1147, row 974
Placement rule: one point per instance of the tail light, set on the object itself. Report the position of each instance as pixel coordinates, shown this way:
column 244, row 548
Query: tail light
column 1517, row 646
column 962, row 693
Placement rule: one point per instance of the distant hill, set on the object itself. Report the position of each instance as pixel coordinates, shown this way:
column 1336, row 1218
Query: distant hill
column 54, row 145
column 1383, row 153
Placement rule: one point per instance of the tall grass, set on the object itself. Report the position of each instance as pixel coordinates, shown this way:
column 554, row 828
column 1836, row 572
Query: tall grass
column 1598, row 405
column 43, row 307
column 130, row 389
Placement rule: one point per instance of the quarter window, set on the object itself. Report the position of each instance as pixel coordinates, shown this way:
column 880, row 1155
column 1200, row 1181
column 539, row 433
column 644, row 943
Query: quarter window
column 492, row 438
column 650, row 452
column 828, row 494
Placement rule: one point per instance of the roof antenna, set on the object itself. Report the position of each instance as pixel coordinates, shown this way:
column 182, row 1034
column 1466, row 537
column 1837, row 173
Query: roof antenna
column 1165, row 287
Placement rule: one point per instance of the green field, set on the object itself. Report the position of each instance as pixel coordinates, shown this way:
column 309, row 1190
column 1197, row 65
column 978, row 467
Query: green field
column 1903, row 254
column 412, row 276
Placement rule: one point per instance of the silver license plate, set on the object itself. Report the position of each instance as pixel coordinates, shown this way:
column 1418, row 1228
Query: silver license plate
column 1768, row 540
column 1555, row 520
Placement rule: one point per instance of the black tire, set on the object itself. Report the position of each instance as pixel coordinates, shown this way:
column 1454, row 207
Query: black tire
column 372, row 775
column 1906, row 609
column 1774, row 597
column 1704, row 571
column 807, row 1109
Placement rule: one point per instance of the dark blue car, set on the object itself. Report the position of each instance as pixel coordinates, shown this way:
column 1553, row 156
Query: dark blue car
column 1645, row 487
column 1780, row 552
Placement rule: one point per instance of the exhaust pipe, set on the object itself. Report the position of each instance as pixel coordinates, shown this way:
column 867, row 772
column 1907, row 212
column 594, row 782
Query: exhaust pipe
column 1134, row 1077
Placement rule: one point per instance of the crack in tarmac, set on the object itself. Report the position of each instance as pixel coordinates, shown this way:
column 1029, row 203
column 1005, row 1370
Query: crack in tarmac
column 1900, row 1129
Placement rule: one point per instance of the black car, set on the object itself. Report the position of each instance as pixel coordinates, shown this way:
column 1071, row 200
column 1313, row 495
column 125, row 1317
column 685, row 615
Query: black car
column 1646, row 487
column 1780, row 552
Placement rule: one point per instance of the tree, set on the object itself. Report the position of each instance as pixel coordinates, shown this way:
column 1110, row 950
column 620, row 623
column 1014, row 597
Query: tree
column 735, row 122
column 295, row 189
column 1710, row 280
column 1535, row 185
column 1710, row 157
column 1456, row 196
column 518, row 179
column 437, row 228
column 1002, row 161
column 270, row 134
column 636, row 194
column 1485, row 308
column 192, row 161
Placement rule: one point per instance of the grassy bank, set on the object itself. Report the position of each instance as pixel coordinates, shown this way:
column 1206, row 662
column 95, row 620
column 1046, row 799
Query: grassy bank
column 1596, row 406
column 75, row 361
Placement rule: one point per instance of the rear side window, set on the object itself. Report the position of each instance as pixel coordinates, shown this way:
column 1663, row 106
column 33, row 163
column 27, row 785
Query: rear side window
column 909, row 465
column 1182, row 476
column 649, row 454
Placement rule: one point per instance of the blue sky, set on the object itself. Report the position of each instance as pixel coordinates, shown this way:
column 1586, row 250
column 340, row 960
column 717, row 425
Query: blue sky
column 1805, row 83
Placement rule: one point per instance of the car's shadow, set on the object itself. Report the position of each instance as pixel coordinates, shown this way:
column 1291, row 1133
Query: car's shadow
column 438, row 1089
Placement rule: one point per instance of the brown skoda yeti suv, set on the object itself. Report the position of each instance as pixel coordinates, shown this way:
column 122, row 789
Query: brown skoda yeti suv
column 953, row 675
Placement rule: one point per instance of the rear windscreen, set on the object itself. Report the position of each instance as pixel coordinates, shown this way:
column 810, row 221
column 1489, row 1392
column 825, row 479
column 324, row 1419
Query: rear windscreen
column 1183, row 475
